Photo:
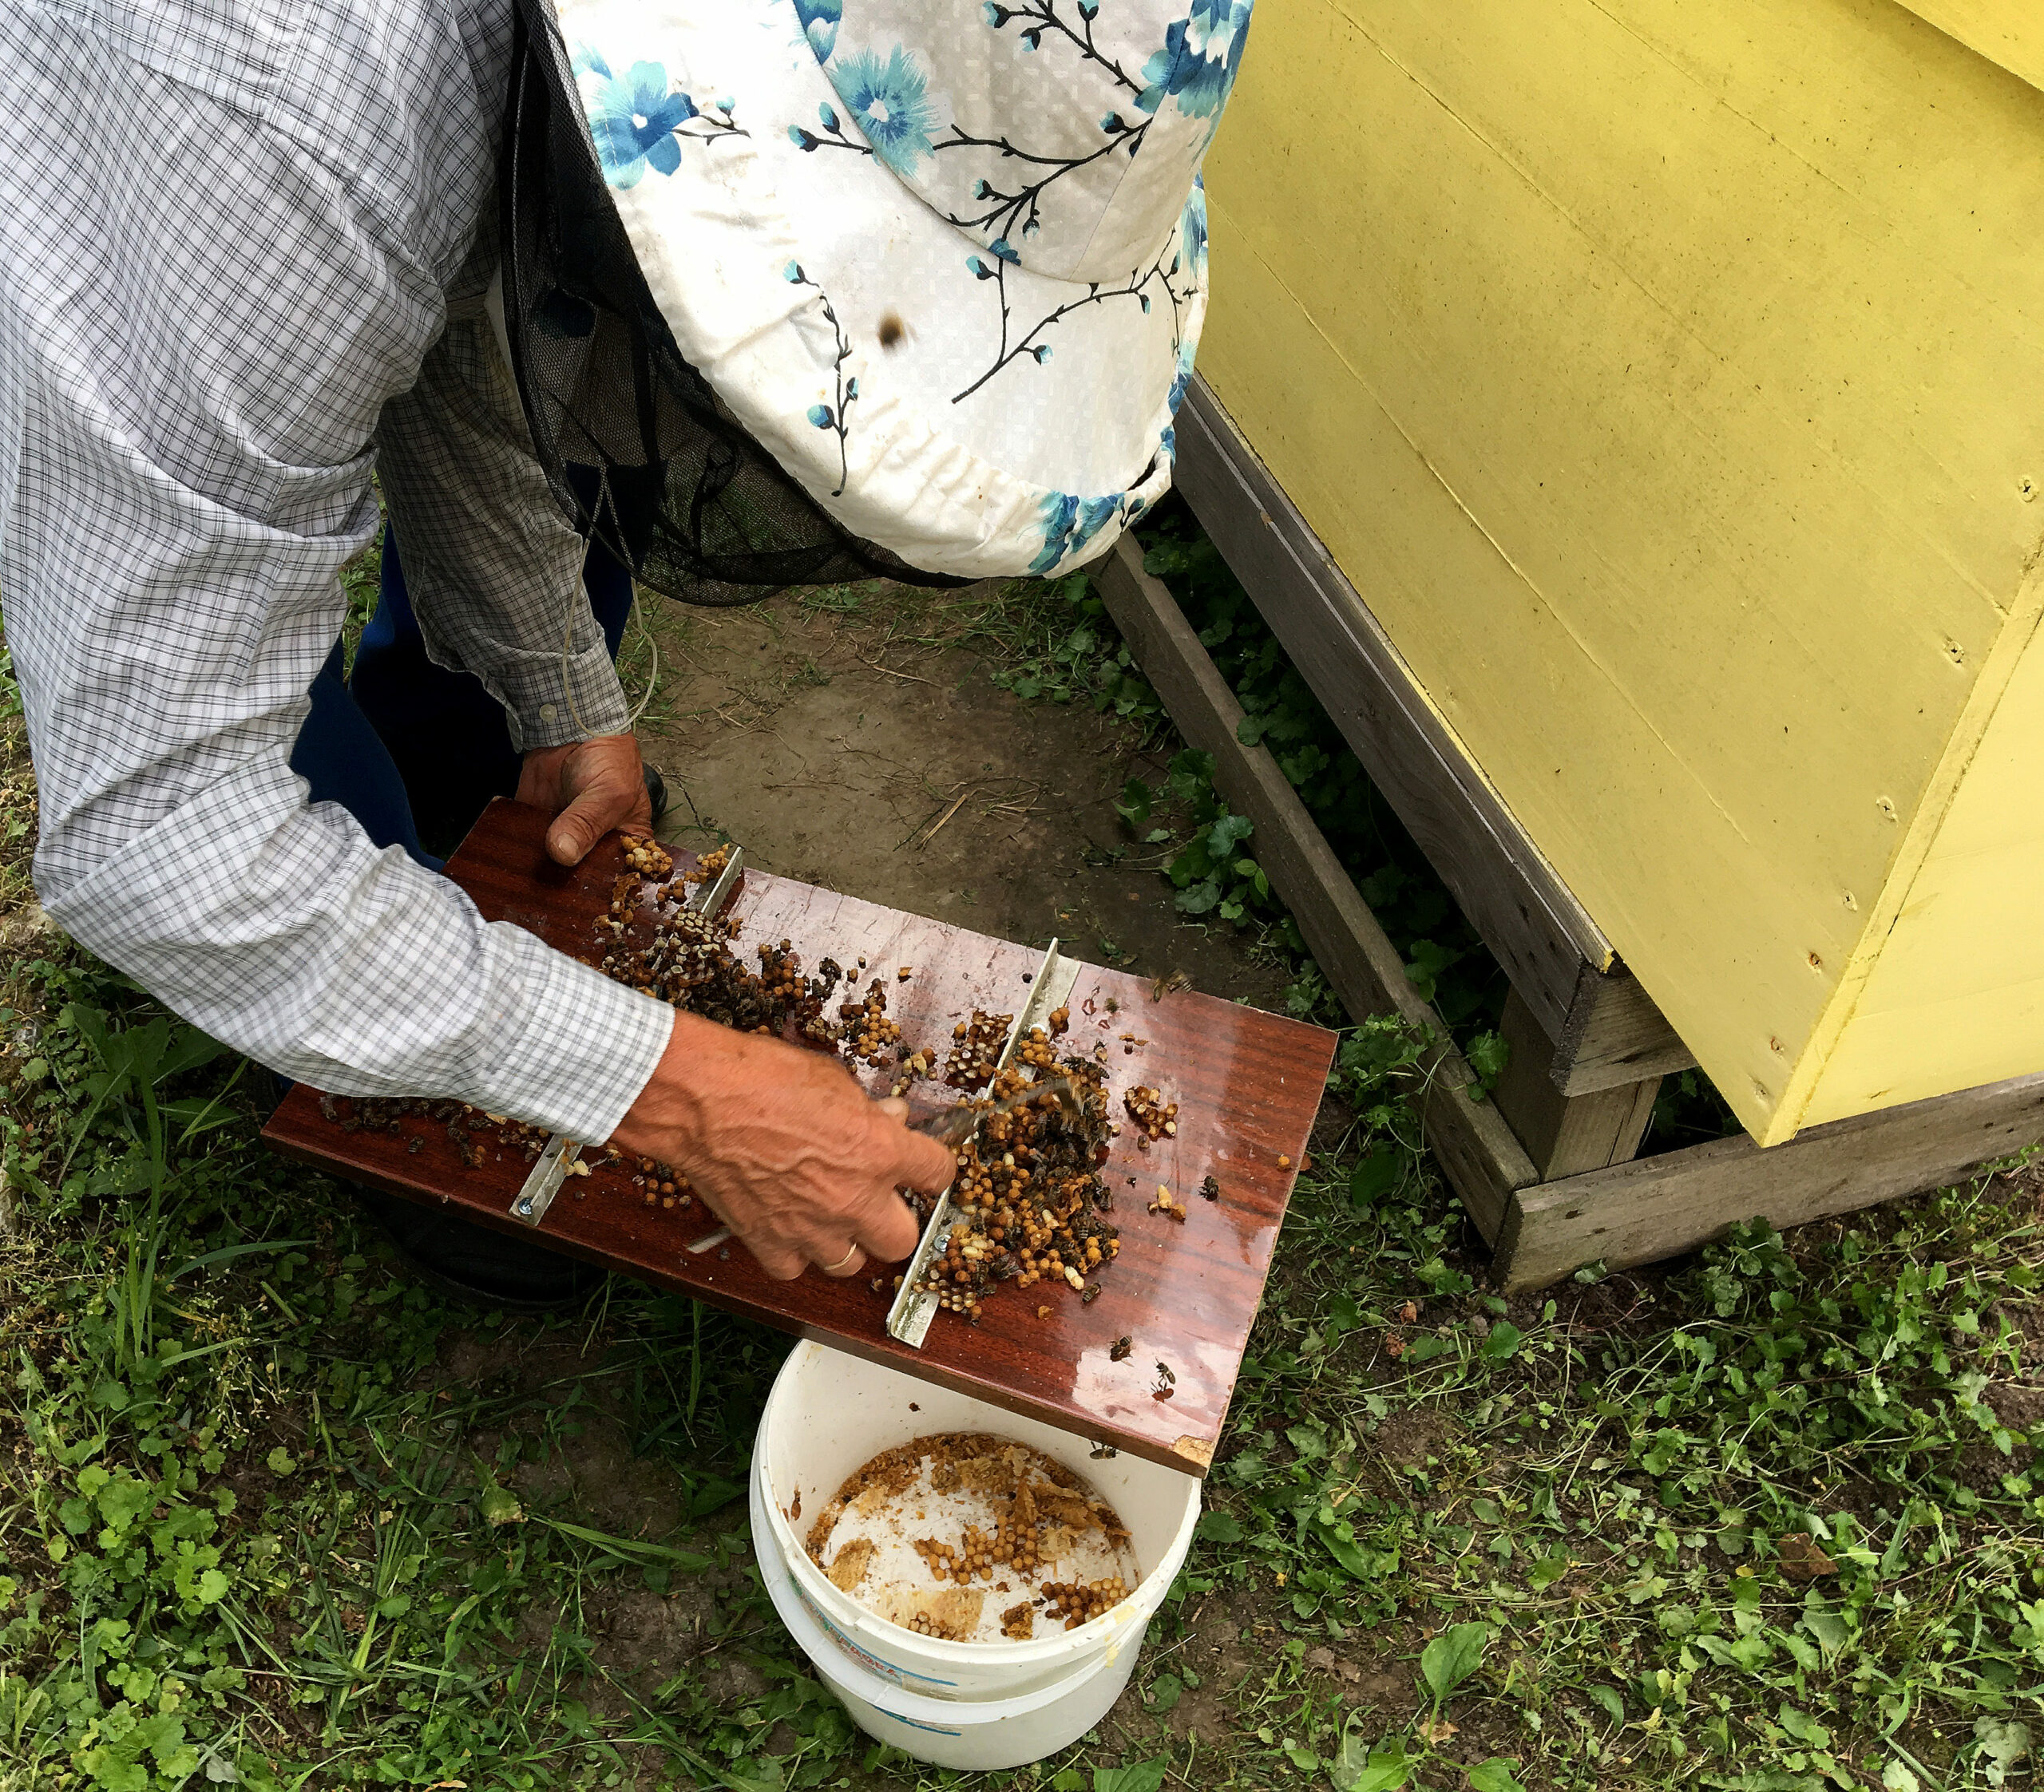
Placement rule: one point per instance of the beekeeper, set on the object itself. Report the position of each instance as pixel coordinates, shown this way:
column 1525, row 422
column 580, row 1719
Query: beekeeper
column 725, row 294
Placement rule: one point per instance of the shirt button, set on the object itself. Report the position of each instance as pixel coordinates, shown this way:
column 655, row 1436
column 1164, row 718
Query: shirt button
column 548, row 712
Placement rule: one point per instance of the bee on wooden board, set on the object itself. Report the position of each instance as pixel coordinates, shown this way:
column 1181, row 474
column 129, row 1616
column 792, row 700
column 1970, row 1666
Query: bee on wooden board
column 1122, row 1348
column 1176, row 982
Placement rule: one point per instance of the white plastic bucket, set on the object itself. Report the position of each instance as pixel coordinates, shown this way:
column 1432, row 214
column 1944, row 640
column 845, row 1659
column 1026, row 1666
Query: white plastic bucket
column 978, row 1705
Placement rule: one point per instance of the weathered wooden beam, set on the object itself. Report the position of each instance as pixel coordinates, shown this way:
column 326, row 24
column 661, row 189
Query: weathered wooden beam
column 1565, row 1135
column 1483, row 1161
column 1607, row 1031
column 1613, row 1036
column 1658, row 1207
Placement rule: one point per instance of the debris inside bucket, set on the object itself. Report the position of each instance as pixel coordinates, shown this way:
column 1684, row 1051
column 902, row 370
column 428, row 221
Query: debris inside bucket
column 975, row 1539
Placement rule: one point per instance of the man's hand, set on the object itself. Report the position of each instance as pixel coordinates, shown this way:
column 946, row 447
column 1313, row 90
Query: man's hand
column 786, row 1148
column 591, row 786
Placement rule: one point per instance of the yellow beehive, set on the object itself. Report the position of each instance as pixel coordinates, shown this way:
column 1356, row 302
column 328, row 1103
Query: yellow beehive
column 1668, row 377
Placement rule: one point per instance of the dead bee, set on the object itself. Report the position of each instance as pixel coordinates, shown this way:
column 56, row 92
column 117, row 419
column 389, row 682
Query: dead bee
column 1103, row 1453
column 1176, row 983
column 1164, row 1374
column 1089, row 1294
column 1122, row 1347
column 1211, row 1188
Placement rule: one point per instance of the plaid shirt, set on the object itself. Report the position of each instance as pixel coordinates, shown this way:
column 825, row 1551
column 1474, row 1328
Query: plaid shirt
column 242, row 248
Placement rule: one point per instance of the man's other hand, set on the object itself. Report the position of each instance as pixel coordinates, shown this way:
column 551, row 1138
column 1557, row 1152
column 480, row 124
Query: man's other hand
column 786, row 1148
column 591, row 786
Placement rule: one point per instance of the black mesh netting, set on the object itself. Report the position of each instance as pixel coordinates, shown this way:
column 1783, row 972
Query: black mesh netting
column 605, row 388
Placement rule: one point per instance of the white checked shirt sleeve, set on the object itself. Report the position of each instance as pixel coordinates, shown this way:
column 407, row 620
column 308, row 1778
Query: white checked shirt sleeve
column 206, row 321
column 493, row 570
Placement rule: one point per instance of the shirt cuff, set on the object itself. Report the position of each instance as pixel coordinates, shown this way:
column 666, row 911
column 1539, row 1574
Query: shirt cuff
column 552, row 701
column 587, row 1046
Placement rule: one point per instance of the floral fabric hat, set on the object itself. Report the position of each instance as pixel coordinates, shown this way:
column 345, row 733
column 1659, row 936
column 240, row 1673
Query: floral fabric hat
column 945, row 261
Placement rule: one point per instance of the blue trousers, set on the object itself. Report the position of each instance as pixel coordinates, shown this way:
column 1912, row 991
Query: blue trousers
column 415, row 752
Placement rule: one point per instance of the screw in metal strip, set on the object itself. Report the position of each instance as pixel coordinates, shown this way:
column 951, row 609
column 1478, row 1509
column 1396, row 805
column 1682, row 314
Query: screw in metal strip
column 1052, row 989
column 543, row 1181
column 909, row 1318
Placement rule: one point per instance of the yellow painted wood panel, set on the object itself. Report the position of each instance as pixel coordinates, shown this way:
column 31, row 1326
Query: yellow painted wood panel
column 2010, row 32
column 1653, row 369
column 1957, row 997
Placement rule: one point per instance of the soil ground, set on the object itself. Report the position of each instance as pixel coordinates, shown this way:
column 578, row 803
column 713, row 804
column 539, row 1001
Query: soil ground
column 838, row 753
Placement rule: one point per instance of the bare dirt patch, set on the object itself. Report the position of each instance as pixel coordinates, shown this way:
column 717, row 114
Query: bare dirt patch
column 903, row 775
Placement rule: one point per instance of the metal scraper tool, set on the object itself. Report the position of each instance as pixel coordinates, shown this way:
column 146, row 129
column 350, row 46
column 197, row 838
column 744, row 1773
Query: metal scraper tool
column 909, row 1318
column 555, row 1164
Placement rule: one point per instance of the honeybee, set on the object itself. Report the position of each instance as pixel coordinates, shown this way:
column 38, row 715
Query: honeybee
column 1172, row 984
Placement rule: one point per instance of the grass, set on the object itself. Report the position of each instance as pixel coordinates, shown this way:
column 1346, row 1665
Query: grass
column 272, row 1515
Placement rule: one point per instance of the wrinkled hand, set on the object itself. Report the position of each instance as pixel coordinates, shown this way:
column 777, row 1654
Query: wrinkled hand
column 591, row 786
column 786, row 1148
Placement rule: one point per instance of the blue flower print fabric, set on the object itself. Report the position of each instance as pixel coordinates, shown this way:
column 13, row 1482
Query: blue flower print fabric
column 1019, row 124
column 889, row 102
column 1069, row 523
column 1197, row 65
column 637, row 122
column 960, row 269
column 819, row 23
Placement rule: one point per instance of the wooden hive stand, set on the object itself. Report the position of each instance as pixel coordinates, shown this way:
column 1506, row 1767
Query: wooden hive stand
column 1547, row 1166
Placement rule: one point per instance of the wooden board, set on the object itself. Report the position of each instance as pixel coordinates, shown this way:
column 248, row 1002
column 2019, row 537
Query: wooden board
column 1607, row 1031
column 1485, row 1163
column 1248, row 1083
column 1657, row 1207
column 1564, row 1134
column 1656, row 370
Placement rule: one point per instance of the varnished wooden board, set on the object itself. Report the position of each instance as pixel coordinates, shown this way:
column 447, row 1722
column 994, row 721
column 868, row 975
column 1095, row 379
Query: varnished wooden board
column 1248, row 1084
